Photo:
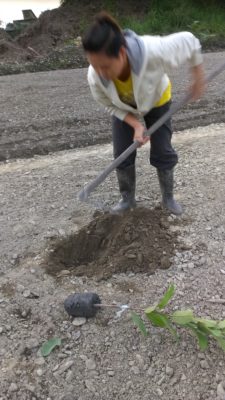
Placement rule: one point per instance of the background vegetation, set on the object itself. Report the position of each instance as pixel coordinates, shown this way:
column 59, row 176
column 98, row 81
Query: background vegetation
column 205, row 18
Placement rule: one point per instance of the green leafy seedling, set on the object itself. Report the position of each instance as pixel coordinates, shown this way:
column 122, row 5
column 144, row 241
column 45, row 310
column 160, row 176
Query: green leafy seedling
column 139, row 323
column 202, row 328
column 167, row 296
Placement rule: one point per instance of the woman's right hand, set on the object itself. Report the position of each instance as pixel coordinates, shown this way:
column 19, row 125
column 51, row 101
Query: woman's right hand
column 139, row 129
column 139, row 135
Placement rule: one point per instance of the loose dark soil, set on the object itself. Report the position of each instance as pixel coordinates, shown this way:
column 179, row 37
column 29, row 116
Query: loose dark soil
column 138, row 241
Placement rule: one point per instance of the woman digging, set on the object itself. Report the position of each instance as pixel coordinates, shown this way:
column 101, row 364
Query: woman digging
column 128, row 76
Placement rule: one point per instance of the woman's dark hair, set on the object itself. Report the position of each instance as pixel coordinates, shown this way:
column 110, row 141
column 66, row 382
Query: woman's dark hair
column 104, row 35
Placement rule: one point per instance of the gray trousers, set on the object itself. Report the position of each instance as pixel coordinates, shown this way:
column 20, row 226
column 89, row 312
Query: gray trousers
column 162, row 154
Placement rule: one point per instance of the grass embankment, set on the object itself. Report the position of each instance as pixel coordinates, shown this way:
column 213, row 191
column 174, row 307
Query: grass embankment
column 204, row 18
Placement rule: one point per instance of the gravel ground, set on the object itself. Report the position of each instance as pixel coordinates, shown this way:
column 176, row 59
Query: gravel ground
column 51, row 111
column 106, row 357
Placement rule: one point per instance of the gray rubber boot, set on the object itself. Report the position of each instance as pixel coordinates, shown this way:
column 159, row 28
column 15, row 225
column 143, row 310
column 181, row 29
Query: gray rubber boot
column 166, row 185
column 126, row 179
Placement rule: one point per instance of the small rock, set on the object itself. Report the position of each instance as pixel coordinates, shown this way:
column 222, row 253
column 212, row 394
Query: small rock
column 25, row 313
column 111, row 373
column 40, row 361
column 174, row 380
column 221, row 390
column 169, row 371
column 140, row 360
column 161, row 380
column 30, row 388
column 159, row 392
column 13, row 387
column 90, row 364
column 135, row 370
column 39, row 372
column 1, row 329
column 204, row 364
column 217, row 378
column 26, row 293
column 201, row 356
column 151, row 372
column 131, row 256
column 64, row 367
column 79, row 321
column 30, row 295
column 165, row 262
column 89, row 383
column 76, row 335
column 183, row 377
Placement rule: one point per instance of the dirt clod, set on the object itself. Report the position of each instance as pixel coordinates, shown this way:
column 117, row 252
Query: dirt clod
column 136, row 241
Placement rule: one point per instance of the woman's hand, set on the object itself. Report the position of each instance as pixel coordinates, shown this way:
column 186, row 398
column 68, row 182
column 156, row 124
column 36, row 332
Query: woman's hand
column 199, row 84
column 139, row 129
column 139, row 135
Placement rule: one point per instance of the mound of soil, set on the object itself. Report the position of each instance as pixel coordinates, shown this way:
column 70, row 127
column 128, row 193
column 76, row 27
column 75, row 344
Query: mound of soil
column 56, row 29
column 68, row 21
column 138, row 241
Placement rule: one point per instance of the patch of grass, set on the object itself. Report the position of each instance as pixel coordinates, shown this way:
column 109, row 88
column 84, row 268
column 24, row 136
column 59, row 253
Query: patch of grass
column 204, row 19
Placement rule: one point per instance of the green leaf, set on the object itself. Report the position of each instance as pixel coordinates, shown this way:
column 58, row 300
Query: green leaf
column 208, row 323
column 157, row 319
column 216, row 333
column 183, row 317
column 221, row 342
column 48, row 346
column 221, row 324
column 202, row 337
column 150, row 309
column 162, row 321
column 139, row 323
column 167, row 296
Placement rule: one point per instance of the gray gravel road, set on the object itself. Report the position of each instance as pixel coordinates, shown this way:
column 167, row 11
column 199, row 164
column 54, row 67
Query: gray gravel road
column 50, row 111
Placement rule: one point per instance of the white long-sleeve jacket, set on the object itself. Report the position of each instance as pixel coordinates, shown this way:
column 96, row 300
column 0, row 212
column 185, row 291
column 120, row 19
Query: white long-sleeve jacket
column 151, row 58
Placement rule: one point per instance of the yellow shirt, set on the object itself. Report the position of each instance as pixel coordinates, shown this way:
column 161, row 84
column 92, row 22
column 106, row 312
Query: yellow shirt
column 166, row 96
column 126, row 93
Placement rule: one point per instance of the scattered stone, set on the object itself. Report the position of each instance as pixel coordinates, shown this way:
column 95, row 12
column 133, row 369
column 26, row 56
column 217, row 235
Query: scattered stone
column 30, row 295
column 76, row 335
column 169, row 371
column 111, row 373
column 204, row 364
column 39, row 361
column 26, row 293
column 151, row 371
column 161, row 380
column 79, row 321
column 165, row 262
column 159, row 392
column 39, row 372
column 140, row 360
column 90, row 364
column 89, row 383
column 221, row 390
column 135, row 370
column 64, row 367
column 13, row 387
